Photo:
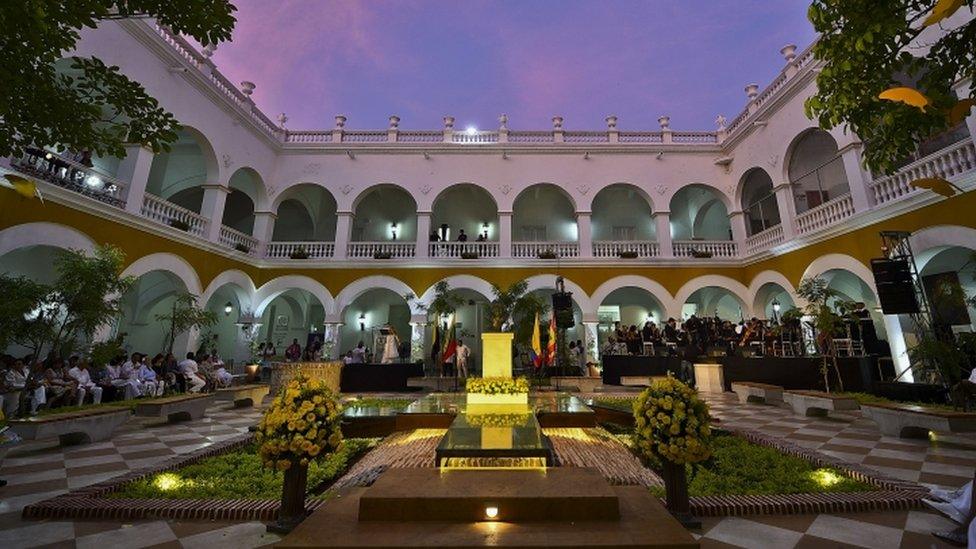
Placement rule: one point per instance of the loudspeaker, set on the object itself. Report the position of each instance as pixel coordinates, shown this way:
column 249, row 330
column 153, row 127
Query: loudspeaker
column 896, row 289
column 562, row 308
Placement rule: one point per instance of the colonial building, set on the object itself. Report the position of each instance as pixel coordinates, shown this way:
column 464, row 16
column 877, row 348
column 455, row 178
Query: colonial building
column 331, row 231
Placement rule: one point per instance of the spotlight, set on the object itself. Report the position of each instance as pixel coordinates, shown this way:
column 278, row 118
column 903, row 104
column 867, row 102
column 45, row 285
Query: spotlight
column 228, row 308
column 491, row 512
column 471, row 130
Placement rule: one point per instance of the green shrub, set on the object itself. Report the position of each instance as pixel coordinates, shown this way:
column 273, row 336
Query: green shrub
column 240, row 474
column 739, row 467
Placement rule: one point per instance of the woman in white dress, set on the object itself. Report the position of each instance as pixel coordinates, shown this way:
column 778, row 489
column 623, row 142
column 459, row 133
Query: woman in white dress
column 391, row 347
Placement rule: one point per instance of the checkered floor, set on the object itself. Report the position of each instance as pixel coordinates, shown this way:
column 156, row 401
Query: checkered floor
column 38, row 471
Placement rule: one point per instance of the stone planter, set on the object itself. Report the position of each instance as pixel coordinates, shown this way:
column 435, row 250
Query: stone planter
column 676, row 487
column 503, row 399
column 292, row 510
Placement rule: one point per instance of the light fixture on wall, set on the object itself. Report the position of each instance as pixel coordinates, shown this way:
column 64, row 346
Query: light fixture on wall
column 484, row 227
column 776, row 308
column 228, row 308
column 362, row 322
column 393, row 229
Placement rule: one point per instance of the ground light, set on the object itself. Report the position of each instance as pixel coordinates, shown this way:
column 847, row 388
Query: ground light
column 491, row 512
column 168, row 481
column 825, row 478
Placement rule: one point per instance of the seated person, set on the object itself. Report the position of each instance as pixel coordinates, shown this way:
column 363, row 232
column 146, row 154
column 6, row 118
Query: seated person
column 152, row 385
column 113, row 376
column 79, row 373
column 359, row 354
column 61, row 389
column 222, row 378
column 130, row 372
column 189, row 369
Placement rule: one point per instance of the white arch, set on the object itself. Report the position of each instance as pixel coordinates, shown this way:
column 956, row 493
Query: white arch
column 363, row 285
column 659, row 292
column 44, row 234
column 735, row 287
column 546, row 281
column 243, row 287
column 275, row 287
column 460, row 282
column 844, row 262
column 588, row 202
column 928, row 242
column 771, row 277
column 167, row 262
column 561, row 189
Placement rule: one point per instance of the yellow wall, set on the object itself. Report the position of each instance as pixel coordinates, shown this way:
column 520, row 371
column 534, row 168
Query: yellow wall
column 862, row 244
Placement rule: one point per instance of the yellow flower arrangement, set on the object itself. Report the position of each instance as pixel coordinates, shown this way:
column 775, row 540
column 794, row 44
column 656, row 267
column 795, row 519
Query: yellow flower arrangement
column 672, row 423
column 497, row 385
column 497, row 420
column 302, row 423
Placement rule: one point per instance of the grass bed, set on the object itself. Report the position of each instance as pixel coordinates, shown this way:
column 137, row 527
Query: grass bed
column 867, row 398
column 130, row 404
column 240, row 474
column 398, row 404
column 739, row 467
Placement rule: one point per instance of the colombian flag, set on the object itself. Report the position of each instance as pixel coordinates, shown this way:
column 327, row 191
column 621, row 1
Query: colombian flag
column 536, row 350
column 551, row 344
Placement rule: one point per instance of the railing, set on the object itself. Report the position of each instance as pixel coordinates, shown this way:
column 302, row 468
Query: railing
column 542, row 250
column 242, row 242
column 474, row 137
column 765, row 239
column 704, row 249
column 381, row 250
column 617, row 248
column 420, row 136
column 825, row 215
column 535, row 136
column 953, row 160
column 694, row 137
column 167, row 213
column 586, row 137
column 309, row 136
column 289, row 250
column 641, row 137
column 71, row 175
column 465, row 250
column 364, row 136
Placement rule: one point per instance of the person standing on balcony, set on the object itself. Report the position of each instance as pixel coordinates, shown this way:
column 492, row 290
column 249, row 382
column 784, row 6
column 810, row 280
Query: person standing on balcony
column 461, row 236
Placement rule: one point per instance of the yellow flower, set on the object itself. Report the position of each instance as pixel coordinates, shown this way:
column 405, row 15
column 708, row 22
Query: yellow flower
column 283, row 464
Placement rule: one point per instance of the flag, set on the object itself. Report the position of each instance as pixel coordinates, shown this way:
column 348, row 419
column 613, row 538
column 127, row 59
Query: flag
column 536, row 351
column 450, row 348
column 551, row 344
column 435, row 351
column 22, row 186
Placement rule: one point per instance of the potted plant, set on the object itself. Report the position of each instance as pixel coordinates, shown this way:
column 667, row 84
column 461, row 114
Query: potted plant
column 469, row 255
column 548, row 254
column 243, row 248
column 301, row 425
column 672, row 428
column 299, row 253
column 817, row 293
column 184, row 315
column 700, row 254
column 382, row 255
column 179, row 224
column 627, row 254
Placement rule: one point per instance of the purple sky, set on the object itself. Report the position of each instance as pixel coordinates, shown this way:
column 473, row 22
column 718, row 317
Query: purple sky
column 531, row 59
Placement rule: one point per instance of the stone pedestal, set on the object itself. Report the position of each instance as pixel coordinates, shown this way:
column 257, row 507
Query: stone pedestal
column 709, row 378
column 497, row 352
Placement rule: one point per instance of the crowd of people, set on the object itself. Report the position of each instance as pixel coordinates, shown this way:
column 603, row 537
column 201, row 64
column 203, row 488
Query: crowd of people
column 28, row 386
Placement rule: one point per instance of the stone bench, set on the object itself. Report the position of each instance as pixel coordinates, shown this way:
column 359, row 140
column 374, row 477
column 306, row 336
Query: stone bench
column 77, row 427
column 244, row 395
column 582, row 384
column 908, row 421
column 639, row 381
column 748, row 391
column 818, row 403
column 176, row 408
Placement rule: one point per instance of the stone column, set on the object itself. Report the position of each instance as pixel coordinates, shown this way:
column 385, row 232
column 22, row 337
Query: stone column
column 737, row 220
column 134, row 172
column 214, row 199
column 590, row 341
column 662, row 220
column 505, row 234
column 858, row 178
column 423, row 235
column 343, row 233
column 896, row 339
column 418, row 332
column 331, row 336
column 787, row 210
column 584, row 234
column 264, row 223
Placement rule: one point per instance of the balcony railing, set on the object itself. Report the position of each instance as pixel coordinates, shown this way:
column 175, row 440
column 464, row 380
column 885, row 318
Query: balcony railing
column 617, row 248
column 242, row 242
column 71, row 175
column 765, row 239
column 542, row 250
column 381, row 250
column 704, row 249
column 167, row 213
column 463, row 250
column 825, row 215
column 289, row 250
column 953, row 160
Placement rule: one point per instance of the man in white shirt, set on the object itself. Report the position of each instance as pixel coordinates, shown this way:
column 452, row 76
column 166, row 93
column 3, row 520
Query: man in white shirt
column 359, row 354
column 130, row 372
column 462, row 352
column 189, row 367
column 151, row 384
column 222, row 377
column 129, row 388
column 79, row 373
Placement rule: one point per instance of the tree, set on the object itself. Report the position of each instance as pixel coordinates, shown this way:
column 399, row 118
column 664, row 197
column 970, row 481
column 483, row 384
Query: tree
column 818, row 294
column 90, row 105
column 185, row 315
column 22, row 300
column 867, row 48
column 514, row 309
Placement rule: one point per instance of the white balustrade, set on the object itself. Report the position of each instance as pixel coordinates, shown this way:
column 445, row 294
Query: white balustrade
column 825, row 215
column 71, row 175
column 316, row 136
column 364, row 136
column 765, row 239
column 474, row 137
column 311, row 249
column 167, row 213
column 463, row 249
column 232, row 238
column 380, row 250
column 586, row 137
column 694, row 137
column 533, row 250
column 704, row 249
column 953, row 160
column 614, row 248
column 530, row 137
column 640, row 137
column 420, row 136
